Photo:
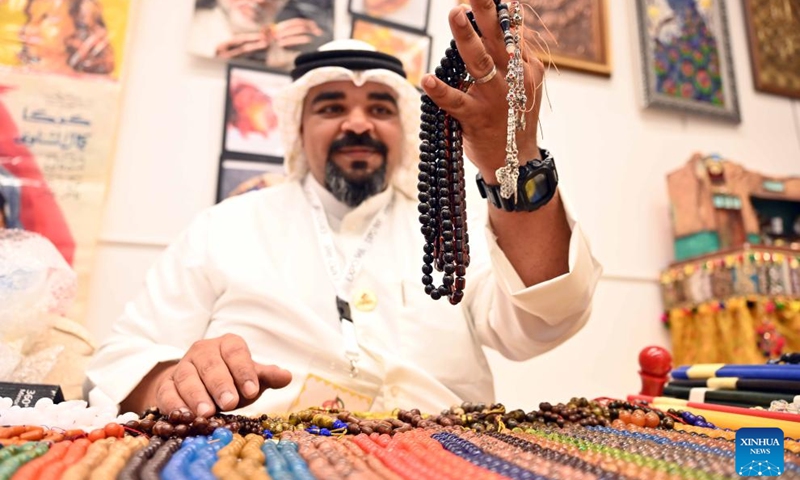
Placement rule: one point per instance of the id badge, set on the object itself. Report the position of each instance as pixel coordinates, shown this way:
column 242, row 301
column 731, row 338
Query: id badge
column 330, row 385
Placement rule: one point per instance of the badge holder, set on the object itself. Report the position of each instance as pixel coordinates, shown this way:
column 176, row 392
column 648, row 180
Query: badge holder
column 331, row 384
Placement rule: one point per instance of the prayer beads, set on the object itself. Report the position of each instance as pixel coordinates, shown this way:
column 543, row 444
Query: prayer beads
column 469, row 440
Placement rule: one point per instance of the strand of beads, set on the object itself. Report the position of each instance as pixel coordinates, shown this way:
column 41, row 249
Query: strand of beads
column 638, row 458
column 692, row 419
column 119, row 451
column 283, row 461
column 322, row 461
column 228, row 457
column 372, row 463
column 35, row 466
column 404, row 462
column 441, row 188
column 514, row 455
column 241, row 459
column 15, row 456
column 620, row 462
column 639, row 415
column 508, row 174
column 75, row 452
column 551, row 455
column 94, row 456
column 133, row 468
column 442, row 193
column 470, row 452
column 196, row 456
column 422, row 445
column 331, row 459
column 152, row 469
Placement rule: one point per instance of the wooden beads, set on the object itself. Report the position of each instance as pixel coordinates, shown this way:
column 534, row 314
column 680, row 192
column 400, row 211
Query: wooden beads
column 153, row 467
column 133, row 468
column 241, row 459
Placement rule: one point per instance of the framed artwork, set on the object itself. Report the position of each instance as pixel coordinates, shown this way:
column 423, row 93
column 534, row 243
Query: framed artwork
column 572, row 34
column 773, row 31
column 238, row 176
column 686, row 57
column 251, row 123
column 412, row 14
column 270, row 33
column 411, row 47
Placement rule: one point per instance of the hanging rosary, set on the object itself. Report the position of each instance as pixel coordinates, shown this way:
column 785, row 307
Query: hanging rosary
column 442, row 196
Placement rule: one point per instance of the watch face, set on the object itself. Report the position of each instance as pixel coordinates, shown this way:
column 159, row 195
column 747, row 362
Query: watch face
column 536, row 188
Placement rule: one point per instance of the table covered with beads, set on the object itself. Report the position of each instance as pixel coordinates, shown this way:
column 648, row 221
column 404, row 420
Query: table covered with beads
column 580, row 439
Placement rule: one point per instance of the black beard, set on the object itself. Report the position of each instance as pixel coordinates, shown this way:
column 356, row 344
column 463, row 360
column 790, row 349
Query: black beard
column 354, row 191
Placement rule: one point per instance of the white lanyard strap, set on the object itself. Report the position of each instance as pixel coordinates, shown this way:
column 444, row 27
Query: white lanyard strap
column 343, row 277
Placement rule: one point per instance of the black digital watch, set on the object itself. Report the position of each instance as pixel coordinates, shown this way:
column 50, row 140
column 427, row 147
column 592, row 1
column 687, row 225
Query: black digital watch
column 536, row 186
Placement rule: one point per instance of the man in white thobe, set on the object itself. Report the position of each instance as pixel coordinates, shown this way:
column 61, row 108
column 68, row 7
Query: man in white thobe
column 247, row 310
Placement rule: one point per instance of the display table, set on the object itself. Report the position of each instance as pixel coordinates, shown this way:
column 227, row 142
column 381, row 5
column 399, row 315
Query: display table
column 581, row 439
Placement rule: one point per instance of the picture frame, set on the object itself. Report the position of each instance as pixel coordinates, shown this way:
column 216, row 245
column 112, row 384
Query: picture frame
column 270, row 33
column 239, row 175
column 771, row 28
column 686, row 59
column 572, row 34
column 412, row 47
column 403, row 13
column 250, row 126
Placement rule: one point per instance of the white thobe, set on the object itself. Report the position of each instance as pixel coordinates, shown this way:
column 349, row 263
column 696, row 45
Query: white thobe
column 252, row 266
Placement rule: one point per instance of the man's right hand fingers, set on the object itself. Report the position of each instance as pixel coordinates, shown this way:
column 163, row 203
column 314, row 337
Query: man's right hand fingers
column 270, row 376
column 168, row 398
column 214, row 374
column 236, row 354
column 192, row 392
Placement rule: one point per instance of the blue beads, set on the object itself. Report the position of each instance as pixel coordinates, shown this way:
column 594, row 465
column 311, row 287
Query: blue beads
column 193, row 461
column 473, row 454
column 315, row 430
column 337, row 424
column 267, row 434
column 223, row 435
column 284, row 462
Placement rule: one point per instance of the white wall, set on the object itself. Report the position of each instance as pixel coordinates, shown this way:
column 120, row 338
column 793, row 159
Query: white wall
column 613, row 157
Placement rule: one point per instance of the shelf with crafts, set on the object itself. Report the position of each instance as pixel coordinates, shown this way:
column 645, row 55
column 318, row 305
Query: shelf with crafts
column 733, row 294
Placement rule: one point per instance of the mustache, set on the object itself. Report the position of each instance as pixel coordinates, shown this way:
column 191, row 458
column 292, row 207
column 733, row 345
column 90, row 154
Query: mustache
column 351, row 139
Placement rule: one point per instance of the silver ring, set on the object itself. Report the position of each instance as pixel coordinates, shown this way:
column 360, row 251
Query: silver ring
column 488, row 77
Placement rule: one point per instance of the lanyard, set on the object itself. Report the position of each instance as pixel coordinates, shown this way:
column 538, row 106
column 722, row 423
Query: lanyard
column 343, row 276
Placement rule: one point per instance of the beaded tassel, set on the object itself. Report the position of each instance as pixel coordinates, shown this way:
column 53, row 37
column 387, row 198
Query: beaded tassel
column 508, row 174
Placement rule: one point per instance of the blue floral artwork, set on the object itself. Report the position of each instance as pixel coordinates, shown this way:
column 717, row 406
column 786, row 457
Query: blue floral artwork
column 686, row 56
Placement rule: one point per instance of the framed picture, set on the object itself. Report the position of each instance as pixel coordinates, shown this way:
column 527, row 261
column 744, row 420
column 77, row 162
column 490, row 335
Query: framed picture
column 773, row 31
column 251, row 123
column 411, row 47
column 270, row 33
column 572, row 34
column 408, row 13
column 686, row 57
column 237, row 176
